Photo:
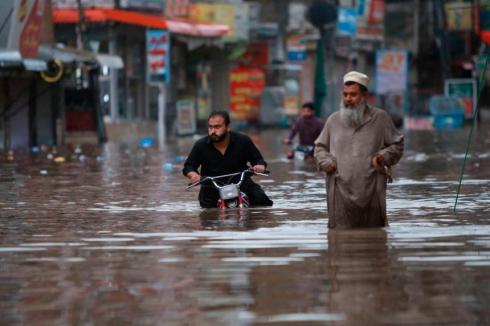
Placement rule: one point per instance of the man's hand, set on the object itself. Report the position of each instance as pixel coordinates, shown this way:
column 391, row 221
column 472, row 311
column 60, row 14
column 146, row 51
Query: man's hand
column 259, row 168
column 286, row 141
column 330, row 168
column 193, row 176
column 378, row 163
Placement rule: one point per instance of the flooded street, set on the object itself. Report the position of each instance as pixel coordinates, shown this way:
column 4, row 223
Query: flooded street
column 111, row 237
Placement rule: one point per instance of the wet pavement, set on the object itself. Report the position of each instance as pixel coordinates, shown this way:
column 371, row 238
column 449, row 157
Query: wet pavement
column 110, row 236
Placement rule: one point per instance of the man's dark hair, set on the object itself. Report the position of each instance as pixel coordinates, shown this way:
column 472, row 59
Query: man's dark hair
column 361, row 87
column 308, row 105
column 225, row 115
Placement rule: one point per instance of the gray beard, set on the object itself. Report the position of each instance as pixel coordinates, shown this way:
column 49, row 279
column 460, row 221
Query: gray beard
column 352, row 116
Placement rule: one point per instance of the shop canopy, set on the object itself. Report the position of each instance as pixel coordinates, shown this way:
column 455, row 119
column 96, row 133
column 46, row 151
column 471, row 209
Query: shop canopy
column 72, row 16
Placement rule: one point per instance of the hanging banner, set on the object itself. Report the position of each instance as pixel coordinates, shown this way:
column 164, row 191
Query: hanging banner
column 465, row 89
column 158, row 55
column 25, row 27
column 246, row 86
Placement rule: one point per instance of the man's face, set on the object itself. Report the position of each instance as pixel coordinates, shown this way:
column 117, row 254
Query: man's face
column 307, row 113
column 352, row 96
column 217, row 129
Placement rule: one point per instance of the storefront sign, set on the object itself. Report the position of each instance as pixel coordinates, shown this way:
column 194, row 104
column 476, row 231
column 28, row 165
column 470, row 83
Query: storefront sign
column 158, row 55
column 186, row 117
column 465, row 89
column 25, row 27
column 246, row 86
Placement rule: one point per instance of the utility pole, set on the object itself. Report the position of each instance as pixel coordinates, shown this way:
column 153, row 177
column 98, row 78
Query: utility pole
column 80, row 29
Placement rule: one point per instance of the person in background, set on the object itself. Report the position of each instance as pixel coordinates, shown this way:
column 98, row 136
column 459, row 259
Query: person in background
column 224, row 152
column 356, row 149
column 308, row 127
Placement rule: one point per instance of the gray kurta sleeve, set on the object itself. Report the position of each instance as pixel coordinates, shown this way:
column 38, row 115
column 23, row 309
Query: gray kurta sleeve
column 322, row 148
column 393, row 142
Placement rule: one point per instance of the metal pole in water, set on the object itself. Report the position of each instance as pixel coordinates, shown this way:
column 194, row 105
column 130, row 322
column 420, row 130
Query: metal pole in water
column 475, row 115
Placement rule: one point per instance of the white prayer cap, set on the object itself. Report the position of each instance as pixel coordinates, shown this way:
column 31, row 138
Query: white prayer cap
column 357, row 77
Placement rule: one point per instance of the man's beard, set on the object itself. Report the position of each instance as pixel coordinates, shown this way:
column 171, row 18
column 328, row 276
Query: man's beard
column 352, row 116
column 217, row 138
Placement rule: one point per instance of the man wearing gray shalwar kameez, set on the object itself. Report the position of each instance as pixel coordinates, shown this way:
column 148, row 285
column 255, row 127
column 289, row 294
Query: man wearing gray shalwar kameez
column 356, row 149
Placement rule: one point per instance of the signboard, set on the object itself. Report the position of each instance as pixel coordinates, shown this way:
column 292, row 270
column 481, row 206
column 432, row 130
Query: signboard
column 25, row 27
column 153, row 5
column 176, row 8
column 296, row 47
column 73, row 4
column 246, row 86
column 392, row 78
column 235, row 16
column 391, row 71
column 370, row 17
column 347, row 22
column 158, row 55
column 459, row 16
column 465, row 89
column 186, row 117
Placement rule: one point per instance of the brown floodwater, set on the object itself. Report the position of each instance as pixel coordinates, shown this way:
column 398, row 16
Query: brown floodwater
column 111, row 236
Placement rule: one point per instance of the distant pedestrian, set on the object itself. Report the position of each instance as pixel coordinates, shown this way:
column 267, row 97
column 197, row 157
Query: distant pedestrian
column 356, row 148
column 308, row 127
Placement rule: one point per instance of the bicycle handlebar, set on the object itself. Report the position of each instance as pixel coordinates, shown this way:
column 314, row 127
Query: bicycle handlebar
column 249, row 170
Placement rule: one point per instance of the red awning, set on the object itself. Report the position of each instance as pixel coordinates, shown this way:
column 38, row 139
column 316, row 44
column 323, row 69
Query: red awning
column 71, row 16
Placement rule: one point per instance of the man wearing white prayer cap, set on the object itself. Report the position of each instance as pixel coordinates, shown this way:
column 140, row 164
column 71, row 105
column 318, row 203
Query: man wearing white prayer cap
column 356, row 149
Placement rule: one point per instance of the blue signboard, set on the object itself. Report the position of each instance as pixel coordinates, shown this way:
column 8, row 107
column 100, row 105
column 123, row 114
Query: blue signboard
column 347, row 21
column 158, row 55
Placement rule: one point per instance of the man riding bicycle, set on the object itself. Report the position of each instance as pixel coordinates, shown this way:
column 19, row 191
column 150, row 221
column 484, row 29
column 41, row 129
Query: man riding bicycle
column 224, row 152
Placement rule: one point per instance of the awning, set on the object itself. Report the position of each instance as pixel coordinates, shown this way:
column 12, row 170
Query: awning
column 72, row 16
column 111, row 61
column 35, row 65
column 66, row 55
column 203, row 30
column 11, row 59
column 69, row 55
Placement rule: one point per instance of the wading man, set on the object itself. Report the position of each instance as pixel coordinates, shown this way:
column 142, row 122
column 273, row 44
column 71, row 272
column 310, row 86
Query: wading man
column 356, row 149
column 224, row 152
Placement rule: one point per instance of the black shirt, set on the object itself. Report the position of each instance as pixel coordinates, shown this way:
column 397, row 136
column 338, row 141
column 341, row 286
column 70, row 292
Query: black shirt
column 240, row 151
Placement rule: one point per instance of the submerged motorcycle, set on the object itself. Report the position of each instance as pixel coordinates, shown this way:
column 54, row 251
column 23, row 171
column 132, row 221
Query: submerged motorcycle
column 229, row 192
